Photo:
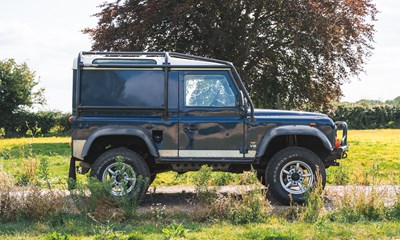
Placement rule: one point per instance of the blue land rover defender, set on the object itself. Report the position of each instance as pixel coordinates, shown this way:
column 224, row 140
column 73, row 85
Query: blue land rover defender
column 162, row 111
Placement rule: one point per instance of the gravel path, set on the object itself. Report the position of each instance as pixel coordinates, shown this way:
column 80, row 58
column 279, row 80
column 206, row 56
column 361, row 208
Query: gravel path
column 183, row 196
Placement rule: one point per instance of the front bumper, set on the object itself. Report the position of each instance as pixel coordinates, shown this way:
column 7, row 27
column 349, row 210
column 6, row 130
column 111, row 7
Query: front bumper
column 341, row 150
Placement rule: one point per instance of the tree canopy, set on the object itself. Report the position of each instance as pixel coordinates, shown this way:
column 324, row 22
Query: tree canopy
column 17, row 83
column 295, row 53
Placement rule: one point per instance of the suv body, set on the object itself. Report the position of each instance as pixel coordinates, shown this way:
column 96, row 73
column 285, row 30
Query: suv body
column 160, row 111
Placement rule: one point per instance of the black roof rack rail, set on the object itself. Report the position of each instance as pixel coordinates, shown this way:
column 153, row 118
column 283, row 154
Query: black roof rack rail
column 167, row 55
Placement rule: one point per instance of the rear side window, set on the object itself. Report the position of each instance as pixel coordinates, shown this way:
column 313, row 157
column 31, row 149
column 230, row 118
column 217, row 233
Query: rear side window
column 131, row 88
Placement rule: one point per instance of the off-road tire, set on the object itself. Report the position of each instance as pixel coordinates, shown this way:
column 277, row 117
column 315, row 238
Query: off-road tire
column 294, row 160
column 131, row 159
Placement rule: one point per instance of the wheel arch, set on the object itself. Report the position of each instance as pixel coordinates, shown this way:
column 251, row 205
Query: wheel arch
column 127, row 132
column 306, row 136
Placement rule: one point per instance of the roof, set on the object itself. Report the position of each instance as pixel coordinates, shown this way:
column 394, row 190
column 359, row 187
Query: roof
column 149, row 59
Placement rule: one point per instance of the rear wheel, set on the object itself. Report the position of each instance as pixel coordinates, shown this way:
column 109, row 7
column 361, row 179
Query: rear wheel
column 293, row 171
column 125, row 170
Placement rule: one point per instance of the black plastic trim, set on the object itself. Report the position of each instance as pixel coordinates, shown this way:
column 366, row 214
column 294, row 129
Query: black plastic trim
column 292, row 130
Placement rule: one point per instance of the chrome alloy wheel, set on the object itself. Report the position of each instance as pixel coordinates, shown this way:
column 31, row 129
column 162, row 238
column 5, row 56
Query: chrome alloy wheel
column 121, row 176
column 296, row 177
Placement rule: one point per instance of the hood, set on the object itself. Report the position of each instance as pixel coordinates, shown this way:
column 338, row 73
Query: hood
column 269, row 112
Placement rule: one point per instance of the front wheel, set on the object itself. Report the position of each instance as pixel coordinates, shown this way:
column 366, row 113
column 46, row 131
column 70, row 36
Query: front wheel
column 125, row 170
column 291, row 172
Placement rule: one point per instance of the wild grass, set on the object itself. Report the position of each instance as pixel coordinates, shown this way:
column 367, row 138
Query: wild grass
column 37, row 163
column 248, row 205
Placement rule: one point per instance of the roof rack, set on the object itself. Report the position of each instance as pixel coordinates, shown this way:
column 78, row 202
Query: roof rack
column 166, row 55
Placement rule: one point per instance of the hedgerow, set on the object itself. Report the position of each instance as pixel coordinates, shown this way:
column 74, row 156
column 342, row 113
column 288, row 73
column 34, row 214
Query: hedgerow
column 360, row 116
column 357, row 115
column 23, row 123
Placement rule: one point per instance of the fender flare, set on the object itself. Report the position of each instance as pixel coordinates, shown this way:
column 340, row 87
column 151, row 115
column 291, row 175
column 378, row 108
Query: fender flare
column 292, row 130
column 121, row 130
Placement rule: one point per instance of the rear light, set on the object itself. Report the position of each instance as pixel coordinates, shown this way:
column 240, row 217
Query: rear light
column 337, row 144
column 70, row 119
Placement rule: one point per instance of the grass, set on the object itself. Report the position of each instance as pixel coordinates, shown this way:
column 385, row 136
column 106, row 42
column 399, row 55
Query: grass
column 273, row 228
column 19, row 155
column 374, row 158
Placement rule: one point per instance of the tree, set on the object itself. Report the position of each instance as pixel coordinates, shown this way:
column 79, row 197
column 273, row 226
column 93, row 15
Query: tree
column 295, row 52
column 17, row 83
column 395, row 101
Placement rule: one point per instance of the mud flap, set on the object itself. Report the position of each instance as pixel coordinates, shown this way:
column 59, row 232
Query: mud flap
column 72, row 175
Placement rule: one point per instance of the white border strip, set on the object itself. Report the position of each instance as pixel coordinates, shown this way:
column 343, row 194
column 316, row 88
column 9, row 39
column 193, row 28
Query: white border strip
column 168, row 153
column 211, row 153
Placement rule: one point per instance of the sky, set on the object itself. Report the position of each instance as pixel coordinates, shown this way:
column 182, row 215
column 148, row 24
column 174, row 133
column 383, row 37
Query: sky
column 46, row 34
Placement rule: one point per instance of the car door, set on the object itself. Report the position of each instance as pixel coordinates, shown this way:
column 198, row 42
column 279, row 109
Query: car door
column 211, row 122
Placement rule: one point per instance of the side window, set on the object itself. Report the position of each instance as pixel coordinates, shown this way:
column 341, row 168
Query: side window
column 133, row 88
column 208, row 91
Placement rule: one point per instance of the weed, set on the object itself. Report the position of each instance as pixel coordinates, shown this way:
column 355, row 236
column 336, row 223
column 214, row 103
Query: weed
column 134, row 236
column 356, row 206
column 372, row 173
column 158, row 213
column 6, row 154
column 247, row 206
column 293, row 213
column 27, row 174
column 202, row 179
column 222, row 179
column 105, row 231
column 95, row 198
column 6, row 200
column 44, row 171
column 2, row 132
column 174, row 231
column 29, row 202
column 253, row 207
column 315, row 201
column 40, row 205
column 339, row 175
column 57, row 236
column 249, row 177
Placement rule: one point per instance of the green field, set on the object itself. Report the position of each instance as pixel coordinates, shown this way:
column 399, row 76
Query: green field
column 374, row 159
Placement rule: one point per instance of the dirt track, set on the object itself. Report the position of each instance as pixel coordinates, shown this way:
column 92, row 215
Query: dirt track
column 182, row 197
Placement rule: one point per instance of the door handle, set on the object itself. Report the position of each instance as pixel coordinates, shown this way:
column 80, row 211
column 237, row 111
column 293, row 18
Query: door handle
column 190, row 127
